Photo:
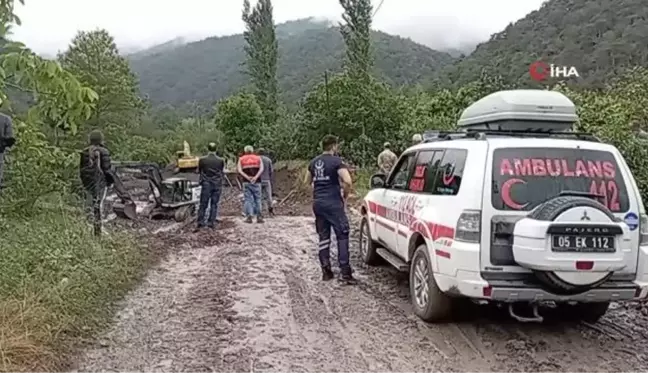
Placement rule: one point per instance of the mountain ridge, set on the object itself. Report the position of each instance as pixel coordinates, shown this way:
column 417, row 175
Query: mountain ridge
column 601, row 38
column 210, row 69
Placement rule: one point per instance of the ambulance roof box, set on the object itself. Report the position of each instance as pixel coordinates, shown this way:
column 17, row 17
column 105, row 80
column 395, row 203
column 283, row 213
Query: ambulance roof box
column 520, row 110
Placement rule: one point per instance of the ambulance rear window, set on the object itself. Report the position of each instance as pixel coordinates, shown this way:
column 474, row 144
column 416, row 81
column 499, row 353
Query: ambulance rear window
column 523, row 178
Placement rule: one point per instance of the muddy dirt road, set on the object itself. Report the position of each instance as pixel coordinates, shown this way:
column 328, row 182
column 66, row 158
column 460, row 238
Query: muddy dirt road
column 249, row 298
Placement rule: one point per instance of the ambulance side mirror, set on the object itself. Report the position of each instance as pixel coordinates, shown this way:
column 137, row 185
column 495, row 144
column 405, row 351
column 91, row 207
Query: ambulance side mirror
column 377, row 181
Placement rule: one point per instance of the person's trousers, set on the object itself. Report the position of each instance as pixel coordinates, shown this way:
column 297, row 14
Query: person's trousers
column 94, row 204
column 252, row 199
column 327, row 217
column 266, row 194
column 210, row 194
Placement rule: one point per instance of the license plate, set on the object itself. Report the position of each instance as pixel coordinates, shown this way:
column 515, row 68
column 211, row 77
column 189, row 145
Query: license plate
column 582, row 244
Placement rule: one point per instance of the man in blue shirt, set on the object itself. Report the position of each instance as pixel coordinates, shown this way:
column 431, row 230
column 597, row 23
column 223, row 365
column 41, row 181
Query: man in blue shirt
column 331, row 184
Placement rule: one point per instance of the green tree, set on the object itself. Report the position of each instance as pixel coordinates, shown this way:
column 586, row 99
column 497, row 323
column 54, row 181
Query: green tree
column 615, row 115
column 93, row 57
column 240, row 119
column 35, row 167
column 261, row 50
column 362, row 114
column 356, row 31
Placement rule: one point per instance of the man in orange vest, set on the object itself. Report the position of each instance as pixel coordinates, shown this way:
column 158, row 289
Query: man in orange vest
column 250, row 168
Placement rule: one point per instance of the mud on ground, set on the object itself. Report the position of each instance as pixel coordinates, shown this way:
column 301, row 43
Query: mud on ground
column 248, row 297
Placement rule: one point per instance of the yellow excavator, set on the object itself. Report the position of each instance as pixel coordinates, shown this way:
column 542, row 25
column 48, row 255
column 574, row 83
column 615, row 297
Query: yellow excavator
column 185, row 162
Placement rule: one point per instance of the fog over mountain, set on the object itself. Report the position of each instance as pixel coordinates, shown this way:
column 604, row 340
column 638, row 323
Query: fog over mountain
column 48, row 26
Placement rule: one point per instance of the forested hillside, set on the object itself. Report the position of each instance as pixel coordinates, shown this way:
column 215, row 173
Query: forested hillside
column 600, row 38
column 209, row 70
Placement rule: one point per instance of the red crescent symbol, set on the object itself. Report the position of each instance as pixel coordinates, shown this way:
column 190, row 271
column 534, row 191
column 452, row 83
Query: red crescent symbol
column 448, row 177
column 506, row 194
column 539, row 71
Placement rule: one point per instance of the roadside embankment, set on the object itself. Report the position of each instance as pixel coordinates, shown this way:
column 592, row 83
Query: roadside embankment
column 58, row 285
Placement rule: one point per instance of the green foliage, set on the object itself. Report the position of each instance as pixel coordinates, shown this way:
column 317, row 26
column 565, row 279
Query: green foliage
column 362, row 114
column 209, row 70
column 57, row 282
column 356, row 32
column 94, row 58
column 602, row 38
column 615, row 115
column 261, row 50
column 61, row 104
column 241, row 121
column 287, row 136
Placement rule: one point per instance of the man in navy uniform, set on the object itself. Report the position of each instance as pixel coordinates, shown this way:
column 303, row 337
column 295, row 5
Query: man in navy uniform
column 331, row 184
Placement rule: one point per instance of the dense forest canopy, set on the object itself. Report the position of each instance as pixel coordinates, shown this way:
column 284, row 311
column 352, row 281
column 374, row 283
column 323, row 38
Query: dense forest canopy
column 210, row 69
column 601, row 38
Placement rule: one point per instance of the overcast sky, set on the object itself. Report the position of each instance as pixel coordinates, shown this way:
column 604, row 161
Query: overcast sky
column 49, row 25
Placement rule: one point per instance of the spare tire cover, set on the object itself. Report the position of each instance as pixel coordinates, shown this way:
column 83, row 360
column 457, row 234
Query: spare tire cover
column 572, row 209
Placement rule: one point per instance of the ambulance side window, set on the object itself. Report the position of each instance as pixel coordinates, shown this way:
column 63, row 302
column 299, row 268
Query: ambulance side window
column 424, row 172
column 449, row 172
column 401, row 172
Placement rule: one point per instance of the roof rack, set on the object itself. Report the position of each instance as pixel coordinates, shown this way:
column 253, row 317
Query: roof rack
column 481, row 134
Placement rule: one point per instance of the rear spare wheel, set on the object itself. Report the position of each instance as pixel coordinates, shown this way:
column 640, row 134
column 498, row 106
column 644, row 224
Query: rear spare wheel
column 428, row 301
column 562, row 239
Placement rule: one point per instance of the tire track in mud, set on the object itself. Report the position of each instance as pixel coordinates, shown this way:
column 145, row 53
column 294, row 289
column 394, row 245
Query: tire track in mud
column 502, row 344
column 337, row 327
column 249, row 298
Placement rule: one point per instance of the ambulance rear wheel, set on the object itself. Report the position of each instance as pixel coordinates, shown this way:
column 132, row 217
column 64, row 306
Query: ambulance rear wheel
column 428, row 301
column 368, row 246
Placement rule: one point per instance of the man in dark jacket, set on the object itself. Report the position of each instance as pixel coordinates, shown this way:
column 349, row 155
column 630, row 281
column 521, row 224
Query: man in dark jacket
column 96, row 176
column 211, row 168
column 7, row 140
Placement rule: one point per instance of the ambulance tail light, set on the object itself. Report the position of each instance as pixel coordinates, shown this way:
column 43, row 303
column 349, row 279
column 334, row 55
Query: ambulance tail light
column 643, row 230
column 469, row 226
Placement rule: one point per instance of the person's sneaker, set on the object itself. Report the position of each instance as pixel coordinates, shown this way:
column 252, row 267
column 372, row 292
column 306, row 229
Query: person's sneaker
column 197, row 229
column 327, row 274
column 248, row 219
column 271, row 212
column 260, row 219
column 348, row 279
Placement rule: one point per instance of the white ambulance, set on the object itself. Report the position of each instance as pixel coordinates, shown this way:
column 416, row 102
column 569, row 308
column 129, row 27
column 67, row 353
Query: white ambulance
column 514, row 208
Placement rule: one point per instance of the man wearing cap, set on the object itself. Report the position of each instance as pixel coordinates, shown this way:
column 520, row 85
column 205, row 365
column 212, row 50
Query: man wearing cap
column 95, row 171
column 211, row 168
column 386, row 159
column 250, row 168
column 417, row 139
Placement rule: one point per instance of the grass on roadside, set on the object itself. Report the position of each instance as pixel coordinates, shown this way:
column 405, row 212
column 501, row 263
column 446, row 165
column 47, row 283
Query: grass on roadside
column 361, row 182
column 57, row 286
